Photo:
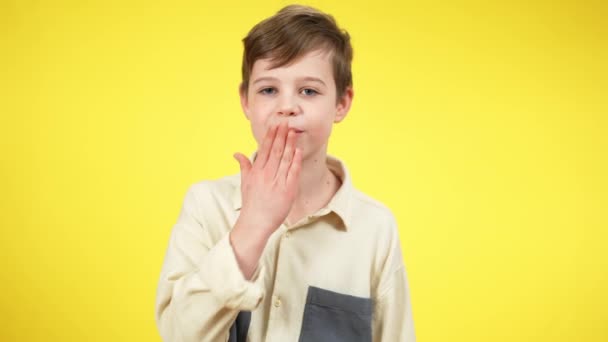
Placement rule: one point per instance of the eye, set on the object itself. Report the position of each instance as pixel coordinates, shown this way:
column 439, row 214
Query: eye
column 268, row 91
column 309, row 92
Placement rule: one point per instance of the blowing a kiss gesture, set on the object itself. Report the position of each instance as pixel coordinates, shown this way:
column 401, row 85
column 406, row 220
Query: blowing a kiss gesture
column 269, row 188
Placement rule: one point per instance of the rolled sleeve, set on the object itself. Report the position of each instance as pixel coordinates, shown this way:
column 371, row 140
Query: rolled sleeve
column 201, row 288
column 220, row 270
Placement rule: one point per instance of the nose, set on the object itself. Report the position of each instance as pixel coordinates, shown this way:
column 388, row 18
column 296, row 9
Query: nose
column 288, row 106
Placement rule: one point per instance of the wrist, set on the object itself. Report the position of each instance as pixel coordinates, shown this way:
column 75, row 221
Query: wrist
column 246, row 230
column 247, row 245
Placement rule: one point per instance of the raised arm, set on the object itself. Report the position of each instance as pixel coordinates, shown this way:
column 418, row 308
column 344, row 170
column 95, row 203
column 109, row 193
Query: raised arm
column 204, row 285
column 201, row 288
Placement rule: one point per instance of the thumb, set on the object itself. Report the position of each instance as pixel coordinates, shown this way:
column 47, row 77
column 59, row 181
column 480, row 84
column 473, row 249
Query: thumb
column 244, row 164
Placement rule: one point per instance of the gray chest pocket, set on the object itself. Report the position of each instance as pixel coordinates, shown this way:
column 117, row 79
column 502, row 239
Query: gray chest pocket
column 333, row 317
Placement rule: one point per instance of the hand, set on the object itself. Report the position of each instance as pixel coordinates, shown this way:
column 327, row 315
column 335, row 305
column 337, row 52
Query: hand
column 269, row 186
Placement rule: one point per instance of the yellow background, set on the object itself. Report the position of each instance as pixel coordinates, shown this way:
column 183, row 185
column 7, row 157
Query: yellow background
column 483, row 126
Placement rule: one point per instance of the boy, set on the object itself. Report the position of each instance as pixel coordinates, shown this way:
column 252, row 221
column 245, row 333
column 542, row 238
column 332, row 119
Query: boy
column 287, row 250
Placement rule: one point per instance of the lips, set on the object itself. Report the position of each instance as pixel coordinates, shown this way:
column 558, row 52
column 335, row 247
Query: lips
column 296, row 130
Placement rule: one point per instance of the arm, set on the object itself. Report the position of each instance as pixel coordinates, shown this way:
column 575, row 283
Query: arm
column 393, row 319
column 201, row 289
column 203, row 286
column 269, row 188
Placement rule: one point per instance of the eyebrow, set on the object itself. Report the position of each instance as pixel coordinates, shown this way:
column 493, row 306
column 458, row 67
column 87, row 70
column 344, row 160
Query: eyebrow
column 309, row 79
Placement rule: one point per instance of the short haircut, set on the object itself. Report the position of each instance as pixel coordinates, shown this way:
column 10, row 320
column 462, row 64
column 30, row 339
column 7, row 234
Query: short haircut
column 293, row 32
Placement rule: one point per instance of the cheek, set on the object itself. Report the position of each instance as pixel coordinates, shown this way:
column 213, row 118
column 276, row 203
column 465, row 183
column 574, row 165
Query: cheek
column 259, row 128
column 258, row 131
column 327, row 131
column 258, row 120
column 322, row 128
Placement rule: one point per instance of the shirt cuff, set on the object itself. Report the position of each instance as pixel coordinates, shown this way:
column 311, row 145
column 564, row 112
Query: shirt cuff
column 219, row 269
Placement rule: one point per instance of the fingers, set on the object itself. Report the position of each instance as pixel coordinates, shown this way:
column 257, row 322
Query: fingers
column 244, row 164
column 287, row 157
column 262, row 157
column 293, row 174
column 276, row 151
column 277, row 155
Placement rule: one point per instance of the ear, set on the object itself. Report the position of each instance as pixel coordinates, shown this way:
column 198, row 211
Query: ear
column 343, row 105
column 244, row 100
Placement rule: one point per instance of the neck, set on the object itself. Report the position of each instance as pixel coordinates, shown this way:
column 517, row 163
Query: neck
column 317, row 183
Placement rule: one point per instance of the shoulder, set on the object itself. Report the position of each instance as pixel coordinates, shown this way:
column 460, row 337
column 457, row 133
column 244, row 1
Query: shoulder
column 365, row 208
column 219, row 186
column 376, row 224
column 211, row 192
column 373, row 221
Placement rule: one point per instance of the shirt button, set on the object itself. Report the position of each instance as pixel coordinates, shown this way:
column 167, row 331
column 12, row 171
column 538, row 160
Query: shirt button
column 277, row 302
column 287, row 235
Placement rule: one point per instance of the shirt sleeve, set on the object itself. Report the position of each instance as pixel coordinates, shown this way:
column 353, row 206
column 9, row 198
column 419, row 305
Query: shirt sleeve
column 201, row 288
column 393, row 317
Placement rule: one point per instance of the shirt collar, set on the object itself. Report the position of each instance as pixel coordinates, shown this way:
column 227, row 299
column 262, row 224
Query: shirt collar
column 340, row 203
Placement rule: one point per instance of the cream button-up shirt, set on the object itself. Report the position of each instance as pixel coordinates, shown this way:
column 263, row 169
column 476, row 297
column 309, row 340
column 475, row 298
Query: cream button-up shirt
column 336, row 275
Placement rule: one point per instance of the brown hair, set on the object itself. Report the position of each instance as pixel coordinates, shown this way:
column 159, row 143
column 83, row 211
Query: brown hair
column 294, row 31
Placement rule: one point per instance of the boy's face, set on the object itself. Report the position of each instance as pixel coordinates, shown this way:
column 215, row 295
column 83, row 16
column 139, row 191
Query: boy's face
column 302, row 93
